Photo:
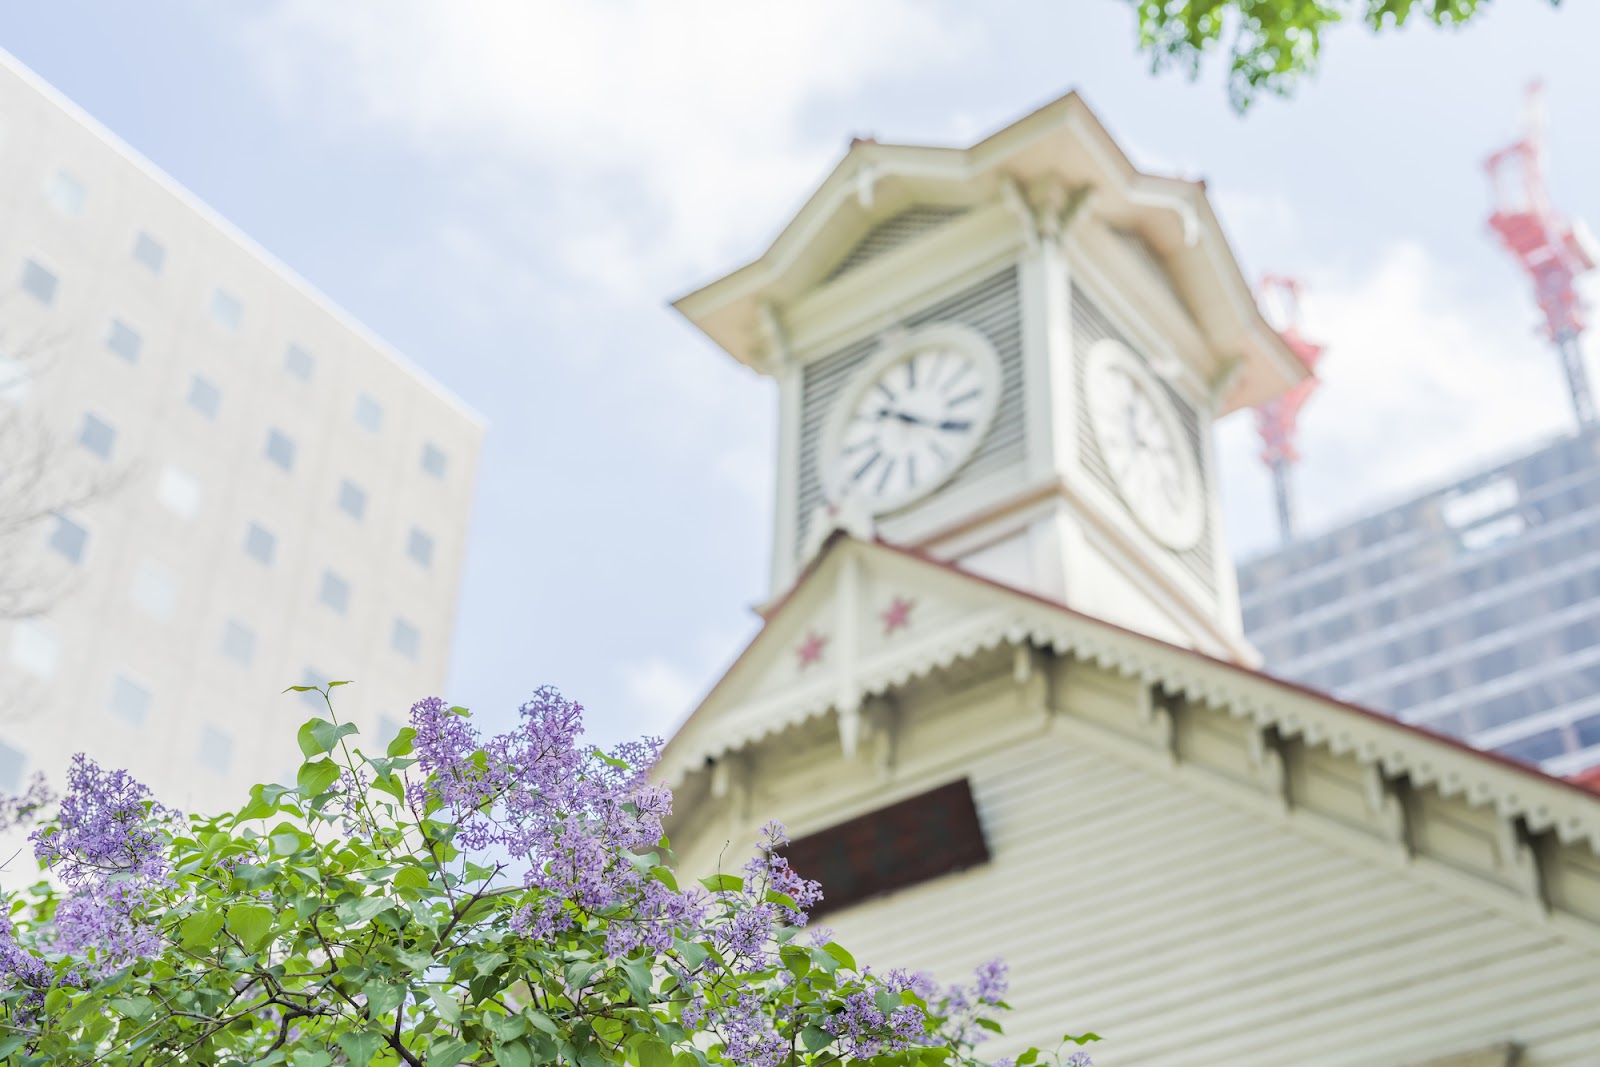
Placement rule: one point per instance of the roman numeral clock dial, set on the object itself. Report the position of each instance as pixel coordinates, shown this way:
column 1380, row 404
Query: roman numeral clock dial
column 1144, row 446
column 911, row 418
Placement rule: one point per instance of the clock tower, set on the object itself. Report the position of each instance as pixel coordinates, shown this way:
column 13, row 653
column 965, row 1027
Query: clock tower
column 1008, row 357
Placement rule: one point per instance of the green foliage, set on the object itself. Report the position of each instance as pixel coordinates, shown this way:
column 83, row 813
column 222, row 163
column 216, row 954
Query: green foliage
column 1273, row 44
column 336, row 922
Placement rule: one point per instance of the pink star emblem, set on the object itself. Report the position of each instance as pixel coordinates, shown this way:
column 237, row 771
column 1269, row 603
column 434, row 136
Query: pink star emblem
column 810, row 650
column 898, row 616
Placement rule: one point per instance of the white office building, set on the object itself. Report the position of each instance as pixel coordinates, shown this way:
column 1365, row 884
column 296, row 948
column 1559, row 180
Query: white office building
column 274, row 496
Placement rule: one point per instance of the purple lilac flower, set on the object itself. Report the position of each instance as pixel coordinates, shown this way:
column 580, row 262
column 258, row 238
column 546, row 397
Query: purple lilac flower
column 22, row 969
column 574, row 814
column 748, row 1036
column 109, row 849
column 993, row 981
column 1078, row 1059
column 106, row 827
column 22, row 809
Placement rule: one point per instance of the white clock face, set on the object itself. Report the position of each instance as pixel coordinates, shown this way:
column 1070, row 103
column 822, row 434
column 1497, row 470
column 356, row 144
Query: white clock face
column 1144, row 446
column 911, row 419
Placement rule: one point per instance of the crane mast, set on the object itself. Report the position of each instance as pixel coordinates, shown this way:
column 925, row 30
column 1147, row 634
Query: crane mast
column 1278, row 419
column 1551, row 251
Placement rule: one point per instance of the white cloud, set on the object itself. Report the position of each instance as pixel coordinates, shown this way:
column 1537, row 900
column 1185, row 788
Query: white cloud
column 660, row 691
column 1419, row 383
column 693, row 111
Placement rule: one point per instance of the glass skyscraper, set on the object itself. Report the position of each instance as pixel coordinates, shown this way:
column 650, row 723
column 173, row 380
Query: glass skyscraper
column 1473, row 610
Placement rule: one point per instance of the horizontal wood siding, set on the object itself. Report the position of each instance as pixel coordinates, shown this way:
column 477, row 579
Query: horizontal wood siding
column 1193, row 932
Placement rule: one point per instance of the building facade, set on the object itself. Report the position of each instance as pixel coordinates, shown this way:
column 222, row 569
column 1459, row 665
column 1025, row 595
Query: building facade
column 1473, row 609
column 998, row 697
column 245, row 489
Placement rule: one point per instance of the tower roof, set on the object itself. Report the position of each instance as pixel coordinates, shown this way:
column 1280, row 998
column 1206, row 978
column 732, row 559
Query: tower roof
column 1061, row 146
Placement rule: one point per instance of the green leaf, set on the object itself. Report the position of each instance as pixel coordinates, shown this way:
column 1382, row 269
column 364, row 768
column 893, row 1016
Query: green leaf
column 200, row 930
column 359, row 910
column 416, row 961
column 693, row 955
column 1082, row 1039
column 815, row 1037
column 360, row 1047
column 513, row 1054
column 316, row 776
column 717, row 883
column 505, row 1027
column 444, row 1002
column 446, row 1052
column 250, row 923
column 8, row 1045
column 319, row 735
column 578, row 974
column 636, row 974
column 288, row 842
column 139, row 1009
column 401, row 745
column 652, row 1051
column 382, row 997
column 410, row 878
column 541, row 1020
column 838, row 953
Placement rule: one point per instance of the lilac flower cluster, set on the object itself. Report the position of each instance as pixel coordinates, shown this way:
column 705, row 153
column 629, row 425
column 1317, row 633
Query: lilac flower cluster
column 864, row 1030
column 22, row 809
column 574, row 814
column 108, row 847
column 748, row 1035
column 961, row 1005
column 22, row 969
column 747, row 938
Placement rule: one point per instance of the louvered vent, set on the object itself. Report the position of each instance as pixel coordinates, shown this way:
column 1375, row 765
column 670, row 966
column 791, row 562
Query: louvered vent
column 992, row 307
column 1089, row 325
column 895, row 231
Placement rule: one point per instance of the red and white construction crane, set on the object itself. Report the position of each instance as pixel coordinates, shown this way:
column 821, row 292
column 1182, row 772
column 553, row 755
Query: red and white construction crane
column 1552, row 251
column 1278, row 419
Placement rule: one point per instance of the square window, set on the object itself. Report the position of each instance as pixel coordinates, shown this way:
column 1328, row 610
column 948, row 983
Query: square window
column 12, row 764
column 38, row 282
column 352, row 499
column 97, row 436
column 214, row 750
column 66, row 194
column 238, row 642
column 335, row 592
column 155, row 591
column 314, row 677
column 204, row 397
column 259, row 543
column 68, row 539
column 226, row 311
column 419, row 546
column 124, row 340
column 16, row 383
column 179, row 492
column 298, row 362
column 406, row 639
column 369, row 414
column 129, row 700
column 149, row 252
column 434, row 460
column 35, row 648
column 280, row 449
column 388, row 728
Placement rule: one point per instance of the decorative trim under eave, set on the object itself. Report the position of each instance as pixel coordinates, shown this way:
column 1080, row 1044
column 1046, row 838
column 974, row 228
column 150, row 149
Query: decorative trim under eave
column 1543, row 804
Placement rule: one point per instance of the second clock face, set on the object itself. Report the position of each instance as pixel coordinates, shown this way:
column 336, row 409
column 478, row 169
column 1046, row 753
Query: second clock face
column 911, row 421
column 1143, row 446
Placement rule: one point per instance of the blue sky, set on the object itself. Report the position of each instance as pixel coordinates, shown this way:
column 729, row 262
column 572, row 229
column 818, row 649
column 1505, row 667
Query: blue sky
column 510, row 192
